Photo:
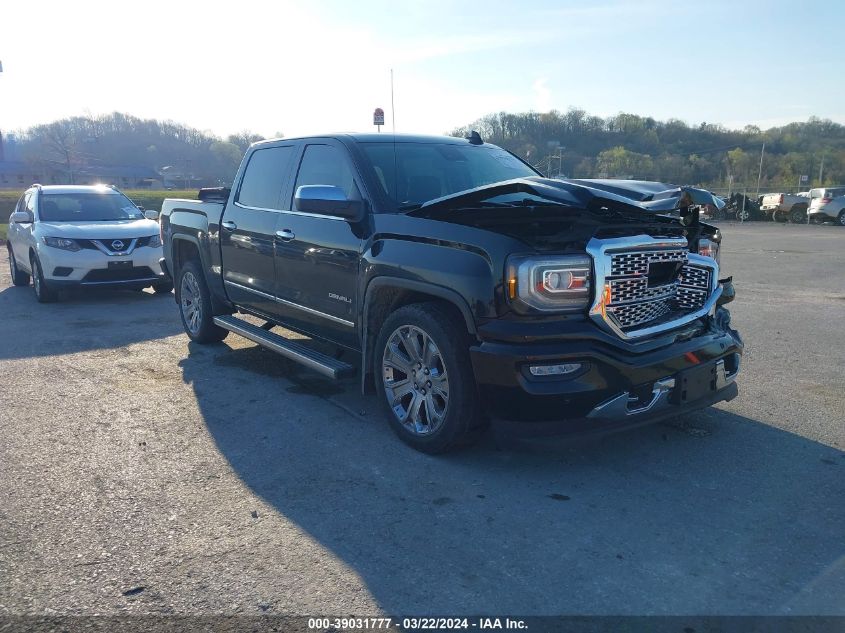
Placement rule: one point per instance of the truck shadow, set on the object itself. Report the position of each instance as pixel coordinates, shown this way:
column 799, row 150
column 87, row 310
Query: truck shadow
column 717, row 513
column 82, row 321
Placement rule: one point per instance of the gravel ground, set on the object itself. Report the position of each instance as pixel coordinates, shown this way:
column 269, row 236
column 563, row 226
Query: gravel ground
column 143, row 474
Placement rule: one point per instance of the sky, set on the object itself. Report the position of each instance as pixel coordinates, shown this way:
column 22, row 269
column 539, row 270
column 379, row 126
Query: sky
column 308, row 67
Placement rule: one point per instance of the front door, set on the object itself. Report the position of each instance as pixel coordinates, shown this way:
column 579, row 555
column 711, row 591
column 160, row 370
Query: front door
column 317, row 255
column 247, row 229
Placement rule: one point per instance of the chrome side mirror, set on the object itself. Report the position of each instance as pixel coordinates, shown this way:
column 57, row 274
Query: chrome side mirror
column 328, row 200
column 151, row 214
column 21, row 217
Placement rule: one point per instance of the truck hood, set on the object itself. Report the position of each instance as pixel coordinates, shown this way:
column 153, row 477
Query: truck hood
column 637, row 195
column 556, row 215
column 99, row 230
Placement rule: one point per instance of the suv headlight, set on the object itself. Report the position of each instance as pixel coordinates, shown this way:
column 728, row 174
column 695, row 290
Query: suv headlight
column 62, row 243
column 550, row 284
column 155, row 241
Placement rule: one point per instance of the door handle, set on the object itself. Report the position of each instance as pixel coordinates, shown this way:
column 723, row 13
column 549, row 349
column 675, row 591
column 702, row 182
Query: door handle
column 229, row 225
column 286, row 235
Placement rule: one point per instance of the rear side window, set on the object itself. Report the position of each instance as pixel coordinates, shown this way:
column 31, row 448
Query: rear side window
column 264, row 177
column 326, row 165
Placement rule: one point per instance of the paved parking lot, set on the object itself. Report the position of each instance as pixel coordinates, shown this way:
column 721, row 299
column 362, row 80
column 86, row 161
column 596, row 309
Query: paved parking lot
column 141, row 473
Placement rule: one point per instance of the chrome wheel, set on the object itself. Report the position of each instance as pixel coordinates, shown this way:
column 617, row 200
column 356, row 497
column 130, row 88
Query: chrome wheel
column 415, row 380
column 842, row 218
column 190, row 302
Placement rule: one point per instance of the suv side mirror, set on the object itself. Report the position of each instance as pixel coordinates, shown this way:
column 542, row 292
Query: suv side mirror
column 21, row 217
column 328, row 200
column 151, row 214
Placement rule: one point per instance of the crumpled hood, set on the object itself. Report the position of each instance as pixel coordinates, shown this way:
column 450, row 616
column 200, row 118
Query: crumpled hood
column 99, row 230
column 573, row 214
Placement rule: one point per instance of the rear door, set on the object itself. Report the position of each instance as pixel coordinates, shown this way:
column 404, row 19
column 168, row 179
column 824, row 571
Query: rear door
column 247, row 231
column 317, row 254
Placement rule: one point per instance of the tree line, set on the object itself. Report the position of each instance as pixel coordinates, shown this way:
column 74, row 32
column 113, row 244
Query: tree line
column 116, row 139
column 579, row 145
column 572, row 143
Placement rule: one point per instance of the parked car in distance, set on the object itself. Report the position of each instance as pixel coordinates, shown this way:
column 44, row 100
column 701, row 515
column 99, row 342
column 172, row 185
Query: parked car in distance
column 65, row 236
column 827, row 204
column 465, row 284
column 785, row 206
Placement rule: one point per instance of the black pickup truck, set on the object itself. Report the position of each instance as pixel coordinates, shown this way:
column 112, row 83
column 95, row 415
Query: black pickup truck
column 469, row 286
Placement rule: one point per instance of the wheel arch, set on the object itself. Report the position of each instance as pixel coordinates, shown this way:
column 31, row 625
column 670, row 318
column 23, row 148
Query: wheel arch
column 385, row 294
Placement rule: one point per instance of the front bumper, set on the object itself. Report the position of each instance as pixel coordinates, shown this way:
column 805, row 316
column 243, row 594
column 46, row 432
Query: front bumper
column 88, row 267
column 617, row 386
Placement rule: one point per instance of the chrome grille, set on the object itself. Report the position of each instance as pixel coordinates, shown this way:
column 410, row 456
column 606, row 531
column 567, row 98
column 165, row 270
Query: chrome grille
column 629, row 302
column 636, row 263
column 694, row 287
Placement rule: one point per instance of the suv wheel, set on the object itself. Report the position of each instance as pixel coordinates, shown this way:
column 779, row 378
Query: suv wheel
column 841, row 218
column 19, row 278
column 43, row 292
column 425, row 378
column 194, row 301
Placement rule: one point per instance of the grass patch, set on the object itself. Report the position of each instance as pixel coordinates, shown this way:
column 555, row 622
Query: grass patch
column 145, row 198
column 3, row 230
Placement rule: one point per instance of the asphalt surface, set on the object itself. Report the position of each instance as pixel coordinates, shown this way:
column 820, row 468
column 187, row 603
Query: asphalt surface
column 143, row 474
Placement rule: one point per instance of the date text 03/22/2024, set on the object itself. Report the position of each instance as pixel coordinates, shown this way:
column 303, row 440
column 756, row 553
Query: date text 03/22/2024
column 416, row 623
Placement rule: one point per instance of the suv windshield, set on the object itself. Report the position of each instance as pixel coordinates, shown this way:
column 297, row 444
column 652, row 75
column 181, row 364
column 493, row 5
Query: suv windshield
column 414, row 173
column 87, row 207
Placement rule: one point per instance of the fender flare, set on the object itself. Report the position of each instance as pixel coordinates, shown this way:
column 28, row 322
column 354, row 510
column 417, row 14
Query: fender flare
column 382, row 281
column 219, row 305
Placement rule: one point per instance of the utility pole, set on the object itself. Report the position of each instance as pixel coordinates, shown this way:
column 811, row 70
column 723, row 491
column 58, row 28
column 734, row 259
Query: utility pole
column 760, row 171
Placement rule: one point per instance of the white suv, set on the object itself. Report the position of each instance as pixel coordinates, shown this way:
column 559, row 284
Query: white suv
column 826, row 204
column 83, row 236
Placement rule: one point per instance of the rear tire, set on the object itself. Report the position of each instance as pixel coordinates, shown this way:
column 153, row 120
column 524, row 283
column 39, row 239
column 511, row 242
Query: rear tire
column 798, row 215
column 841, row 219
column 19, row 278
column 194, row 301
column 778, row 216
column 425, row 379
column 43, row 292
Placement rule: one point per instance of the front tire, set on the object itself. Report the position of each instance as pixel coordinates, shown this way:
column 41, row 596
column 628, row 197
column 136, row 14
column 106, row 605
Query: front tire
column 43, row 292
column 194, row 301
column 19, row 278
column 425, row 380
column 841, row 219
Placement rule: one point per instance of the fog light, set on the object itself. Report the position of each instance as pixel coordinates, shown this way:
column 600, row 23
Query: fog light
column 554, row 370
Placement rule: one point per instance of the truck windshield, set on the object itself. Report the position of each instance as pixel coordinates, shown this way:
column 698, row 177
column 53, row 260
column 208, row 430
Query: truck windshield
column 414, row 173
column 87, row 207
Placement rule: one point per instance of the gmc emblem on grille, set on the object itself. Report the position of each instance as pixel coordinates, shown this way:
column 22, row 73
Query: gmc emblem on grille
column 117, row 245
column 663, row 273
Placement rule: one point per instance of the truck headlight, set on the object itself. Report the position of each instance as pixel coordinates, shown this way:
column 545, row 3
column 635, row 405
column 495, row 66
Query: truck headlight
column 709, row 248
column 62, row 243
column 550, row 284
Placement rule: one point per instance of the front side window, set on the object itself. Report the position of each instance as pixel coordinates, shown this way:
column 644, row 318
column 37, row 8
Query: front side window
column 414, row 173
column 261, row 185
column 326, row 165
column 87, row 207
